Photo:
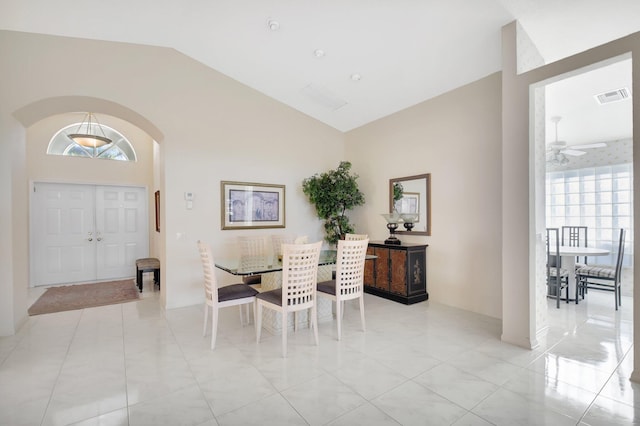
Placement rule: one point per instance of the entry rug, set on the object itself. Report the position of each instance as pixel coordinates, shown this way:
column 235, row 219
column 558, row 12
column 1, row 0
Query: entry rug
column 80, row 296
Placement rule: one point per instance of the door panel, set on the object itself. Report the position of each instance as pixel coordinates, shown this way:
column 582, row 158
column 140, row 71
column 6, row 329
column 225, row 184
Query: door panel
column 66, row 216
column 120, row 214
column 62, row 219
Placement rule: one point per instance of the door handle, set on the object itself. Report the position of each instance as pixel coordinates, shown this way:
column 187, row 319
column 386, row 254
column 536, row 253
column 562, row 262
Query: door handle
column 90, row 237
column 99, row 238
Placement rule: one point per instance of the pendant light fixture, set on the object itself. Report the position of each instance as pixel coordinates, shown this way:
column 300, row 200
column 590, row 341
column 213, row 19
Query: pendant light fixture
column 87, row 133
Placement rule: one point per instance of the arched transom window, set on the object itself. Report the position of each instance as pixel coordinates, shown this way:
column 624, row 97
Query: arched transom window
column 120, row 149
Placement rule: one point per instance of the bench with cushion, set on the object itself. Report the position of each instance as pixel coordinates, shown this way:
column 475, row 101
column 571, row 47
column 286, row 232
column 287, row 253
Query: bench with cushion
column 147, row 264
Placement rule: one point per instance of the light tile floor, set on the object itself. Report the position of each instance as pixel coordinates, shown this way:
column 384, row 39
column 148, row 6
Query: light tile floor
column 425, row 364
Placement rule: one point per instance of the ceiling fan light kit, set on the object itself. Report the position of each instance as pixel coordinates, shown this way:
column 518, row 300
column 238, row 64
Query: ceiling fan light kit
column 557, row 151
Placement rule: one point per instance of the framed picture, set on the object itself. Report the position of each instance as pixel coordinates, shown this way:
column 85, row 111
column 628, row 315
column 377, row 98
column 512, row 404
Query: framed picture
column 157, row 197
column 252, row 205
column 409, row 203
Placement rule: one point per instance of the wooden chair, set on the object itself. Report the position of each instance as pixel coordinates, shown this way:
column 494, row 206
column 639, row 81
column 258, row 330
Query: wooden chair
column 557, row 277
column 349, row 280
column 298, row 291
column 605, row 278
column 217, row 298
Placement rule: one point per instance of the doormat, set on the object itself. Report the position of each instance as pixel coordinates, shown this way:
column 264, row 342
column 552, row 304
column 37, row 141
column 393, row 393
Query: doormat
column 80, row 296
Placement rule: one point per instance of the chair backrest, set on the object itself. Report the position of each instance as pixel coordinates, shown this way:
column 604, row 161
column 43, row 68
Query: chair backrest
column 355, row 237
column 623, row 233
column 553, row 252
column 208, row 267
column 575, row 236
column 277, row 240
column 350, row 268
column 300, row 274
column 253, row 253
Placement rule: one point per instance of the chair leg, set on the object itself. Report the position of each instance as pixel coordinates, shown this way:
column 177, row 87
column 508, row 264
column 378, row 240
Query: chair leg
column 295, row 321
column 619, row 294
column 285, row 329
column 255, row 315
column 362, row 312
column 258, row 321
column 214, row 327
column 206, row 319
column 339, row 312
column 241, row 315
column 314, row 320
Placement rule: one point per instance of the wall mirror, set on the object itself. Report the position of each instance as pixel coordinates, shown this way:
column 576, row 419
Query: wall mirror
column 416, row 198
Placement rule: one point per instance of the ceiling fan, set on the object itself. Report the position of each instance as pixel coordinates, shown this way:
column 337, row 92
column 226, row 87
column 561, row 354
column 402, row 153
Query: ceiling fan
column 557, row 151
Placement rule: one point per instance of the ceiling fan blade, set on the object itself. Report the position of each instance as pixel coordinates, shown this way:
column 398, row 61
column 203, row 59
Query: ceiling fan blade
column 589, row 145
column 573, row 152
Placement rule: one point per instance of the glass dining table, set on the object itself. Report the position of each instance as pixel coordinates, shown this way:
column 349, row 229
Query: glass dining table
column 234, row 266
column 271, row 278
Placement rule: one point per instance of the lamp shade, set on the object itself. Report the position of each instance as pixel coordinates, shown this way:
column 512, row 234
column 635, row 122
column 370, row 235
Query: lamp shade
column 87, row 133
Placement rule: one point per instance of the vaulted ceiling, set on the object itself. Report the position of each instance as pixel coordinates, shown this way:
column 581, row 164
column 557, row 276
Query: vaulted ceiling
column 345, row 63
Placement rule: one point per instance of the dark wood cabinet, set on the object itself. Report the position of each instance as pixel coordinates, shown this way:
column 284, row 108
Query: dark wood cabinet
column 399, row 272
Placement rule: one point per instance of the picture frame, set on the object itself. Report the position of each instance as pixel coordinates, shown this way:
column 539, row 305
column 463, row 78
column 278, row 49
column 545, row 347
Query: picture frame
column 157, row 200
column 247, row 205
column 409, row 203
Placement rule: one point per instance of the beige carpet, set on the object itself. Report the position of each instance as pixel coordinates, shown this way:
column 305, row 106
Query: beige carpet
column 80, row 296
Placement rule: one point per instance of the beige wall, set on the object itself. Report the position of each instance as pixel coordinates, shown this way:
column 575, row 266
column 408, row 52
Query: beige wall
column 42, row 167
column 520, row 176
column 208, row 126
column 455, row 137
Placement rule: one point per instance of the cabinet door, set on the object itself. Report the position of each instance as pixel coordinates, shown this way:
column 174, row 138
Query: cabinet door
column 398, row 271
column 369, row 265
column 382, row 269
column 416, row 279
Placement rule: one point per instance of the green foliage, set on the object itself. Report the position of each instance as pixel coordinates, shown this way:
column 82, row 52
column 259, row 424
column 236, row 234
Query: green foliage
column 333, row 193
column 398, row 191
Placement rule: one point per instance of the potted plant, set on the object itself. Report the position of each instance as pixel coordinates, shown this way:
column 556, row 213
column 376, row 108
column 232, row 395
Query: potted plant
column 398, row 192
column 333, row 193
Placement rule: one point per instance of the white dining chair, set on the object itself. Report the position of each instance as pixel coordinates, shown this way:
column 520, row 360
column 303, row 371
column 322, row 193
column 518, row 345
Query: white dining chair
column 355, row 237
column 298, row 291
column 253, row 256
column 349, row 279
column 277, row 240
column 217, row 298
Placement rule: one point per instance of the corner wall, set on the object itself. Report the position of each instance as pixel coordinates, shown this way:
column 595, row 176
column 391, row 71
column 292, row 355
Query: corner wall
column 456, row 138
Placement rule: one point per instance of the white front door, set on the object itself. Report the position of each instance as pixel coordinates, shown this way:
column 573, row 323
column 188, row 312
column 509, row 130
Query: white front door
column 121, row 230
column 83, row 233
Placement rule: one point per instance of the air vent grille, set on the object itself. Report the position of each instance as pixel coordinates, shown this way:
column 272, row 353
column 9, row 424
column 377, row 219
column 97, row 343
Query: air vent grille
column 613, row 96
column 323, row 96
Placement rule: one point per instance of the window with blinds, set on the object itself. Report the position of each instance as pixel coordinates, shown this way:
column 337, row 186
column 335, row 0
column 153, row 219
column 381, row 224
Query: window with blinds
column 598, row 197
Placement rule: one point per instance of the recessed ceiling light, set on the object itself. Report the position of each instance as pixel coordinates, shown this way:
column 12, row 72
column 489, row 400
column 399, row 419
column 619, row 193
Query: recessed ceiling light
column 319, row 53
column 273, row 25
column 356, row 77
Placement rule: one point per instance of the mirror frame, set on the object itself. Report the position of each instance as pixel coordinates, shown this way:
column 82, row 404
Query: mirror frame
column 427, row 178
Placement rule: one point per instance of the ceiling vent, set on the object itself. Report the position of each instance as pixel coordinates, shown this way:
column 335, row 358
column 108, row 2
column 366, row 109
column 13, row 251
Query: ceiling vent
column 323, row 96
column 613, row 96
